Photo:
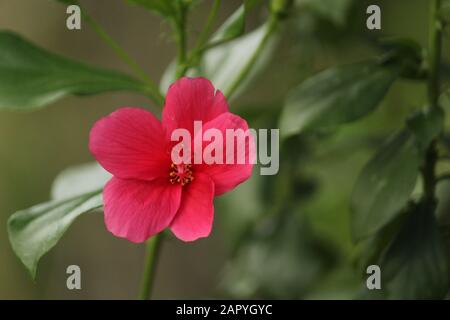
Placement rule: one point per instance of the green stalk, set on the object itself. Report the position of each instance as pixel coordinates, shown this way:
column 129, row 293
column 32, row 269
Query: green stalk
column 180, row 34
column 203, row 37
column 270, row 28
column 154, row 244
column 152, row 89
column 153, row 247
column 435, row 53
column 435, row 56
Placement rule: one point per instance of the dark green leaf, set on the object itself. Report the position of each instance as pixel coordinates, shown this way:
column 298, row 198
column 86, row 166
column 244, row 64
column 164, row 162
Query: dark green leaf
column 426, row 125
column 375, row 246
column 31, row 77
column 283, row 259
column 335, row 96
column 34, row 231
column 404, row 55
column 415, row 265
column 385, row 185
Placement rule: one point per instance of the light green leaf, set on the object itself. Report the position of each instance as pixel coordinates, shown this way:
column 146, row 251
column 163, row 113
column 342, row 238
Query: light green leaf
column 34, row 231
column 31, row 77
column 415, row 265
column 223, row 64
column 76, row 190
column 385, row 184
column 166, row 8
column 78, row 180
column 335, row 96
column 232, row 28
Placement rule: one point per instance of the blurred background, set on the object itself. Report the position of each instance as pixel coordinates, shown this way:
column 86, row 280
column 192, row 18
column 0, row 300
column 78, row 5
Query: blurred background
column 302, row 251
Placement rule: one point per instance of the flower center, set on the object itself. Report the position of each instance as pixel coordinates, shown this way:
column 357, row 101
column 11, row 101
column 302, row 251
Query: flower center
column 181, row 173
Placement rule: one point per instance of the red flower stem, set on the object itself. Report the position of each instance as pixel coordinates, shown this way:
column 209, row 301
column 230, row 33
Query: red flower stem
column 153, row 247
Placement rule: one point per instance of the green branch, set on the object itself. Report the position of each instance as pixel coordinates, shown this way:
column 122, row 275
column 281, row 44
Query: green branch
column 180, row 35
column 153, row 246
column 434, row 62
column 435, row 54
column 152, row 88
column 270, row 28
column 203, row 37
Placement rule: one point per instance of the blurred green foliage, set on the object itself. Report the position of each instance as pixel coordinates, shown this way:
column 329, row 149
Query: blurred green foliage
column 290, row 235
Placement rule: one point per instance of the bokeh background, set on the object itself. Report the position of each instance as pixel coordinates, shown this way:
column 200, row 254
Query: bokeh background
column 306, row 254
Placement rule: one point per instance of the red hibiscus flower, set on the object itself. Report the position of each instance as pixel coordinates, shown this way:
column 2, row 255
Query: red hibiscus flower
column 148, row 192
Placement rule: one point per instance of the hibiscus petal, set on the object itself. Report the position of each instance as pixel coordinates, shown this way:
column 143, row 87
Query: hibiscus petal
column 130, row 144
column 189, row 100
column 137, row 210
column 227, row 176
column 196, row 214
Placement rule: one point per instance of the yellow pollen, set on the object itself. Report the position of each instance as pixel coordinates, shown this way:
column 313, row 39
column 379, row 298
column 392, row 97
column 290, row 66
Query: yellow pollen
column 181, row 173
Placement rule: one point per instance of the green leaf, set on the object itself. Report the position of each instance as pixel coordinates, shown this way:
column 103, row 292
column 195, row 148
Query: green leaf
column 383, row 188
column 244, row 209
column 34, row 231
column 31, row 77
column 166, row 8
column 375, row 246
column 232, row 28
column 78, row 180
column 415, row 265
column 405, row 55
column 426, row 125
column 334, row 10
column 335, row 96
column 283, row 259
column 223, row 64
column 76, row 190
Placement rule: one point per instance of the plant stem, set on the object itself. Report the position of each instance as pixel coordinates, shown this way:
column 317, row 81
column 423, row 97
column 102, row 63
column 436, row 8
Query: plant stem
column 203, row 37
column 152, row 89
column 434, row 53
column 270, row 28
column 180, row 34
column 153, row 245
